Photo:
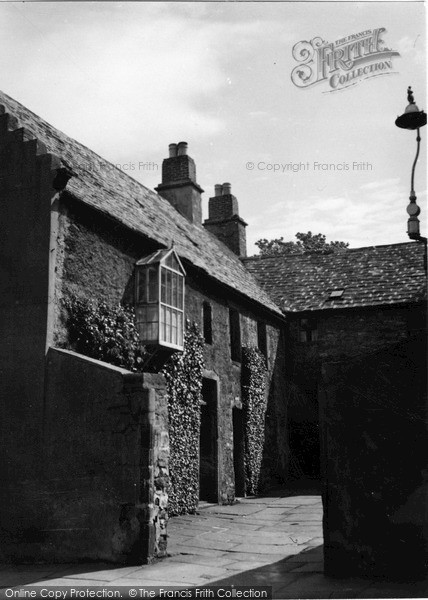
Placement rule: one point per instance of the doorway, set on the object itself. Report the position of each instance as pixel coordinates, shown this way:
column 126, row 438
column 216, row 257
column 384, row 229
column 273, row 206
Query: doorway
column 304, row 432
column 208, row 443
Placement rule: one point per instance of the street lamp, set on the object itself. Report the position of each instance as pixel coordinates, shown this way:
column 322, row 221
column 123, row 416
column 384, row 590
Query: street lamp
column 412, row 119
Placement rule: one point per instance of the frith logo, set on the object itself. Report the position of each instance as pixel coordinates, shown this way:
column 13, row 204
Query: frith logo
column 344, row 62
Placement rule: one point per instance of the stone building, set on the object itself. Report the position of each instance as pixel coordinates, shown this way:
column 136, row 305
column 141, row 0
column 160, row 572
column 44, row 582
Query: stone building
column 339, row 306
column 83, row 442
column 356, row 379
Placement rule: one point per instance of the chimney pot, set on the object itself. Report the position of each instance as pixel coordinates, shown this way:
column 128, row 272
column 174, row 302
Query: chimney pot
column 182, row 148
column 226, row 189
column 179, row 185
column 224, row 221
column 217, row 189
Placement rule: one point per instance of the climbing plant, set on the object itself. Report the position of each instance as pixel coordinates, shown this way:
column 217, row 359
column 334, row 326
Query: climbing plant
column 104, row 332
column 254, row 400
column 108, row 333
column 184, row 388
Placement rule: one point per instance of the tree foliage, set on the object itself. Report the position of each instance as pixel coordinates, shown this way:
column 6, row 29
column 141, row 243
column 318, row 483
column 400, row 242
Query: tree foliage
column 307, row 243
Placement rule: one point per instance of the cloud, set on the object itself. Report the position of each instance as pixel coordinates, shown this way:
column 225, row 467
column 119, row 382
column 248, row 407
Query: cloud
column 126, row 79
column 258, row 113
column 373, row 213
column 412, row 48
column 375, row 185
column 143, row 83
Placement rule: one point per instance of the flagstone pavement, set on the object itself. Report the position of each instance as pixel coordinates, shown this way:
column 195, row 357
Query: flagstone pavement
column 275, row 540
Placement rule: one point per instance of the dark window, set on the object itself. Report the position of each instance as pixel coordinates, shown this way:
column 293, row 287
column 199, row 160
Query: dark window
column 235, row 334
column 308, row 330
column 207, row 318
column 262, row 338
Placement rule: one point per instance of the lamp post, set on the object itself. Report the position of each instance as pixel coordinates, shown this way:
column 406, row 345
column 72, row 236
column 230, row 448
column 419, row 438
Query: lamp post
column 412, row 119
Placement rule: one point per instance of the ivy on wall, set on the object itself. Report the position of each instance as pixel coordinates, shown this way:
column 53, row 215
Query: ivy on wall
column 254, row 401
column 104, row 332
column 183, row 376
column 108, row 333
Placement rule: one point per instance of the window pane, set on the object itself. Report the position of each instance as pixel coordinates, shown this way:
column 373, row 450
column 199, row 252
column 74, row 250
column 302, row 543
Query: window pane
column 153, row 285
column 143, row 331
column 152, row 314
column 171, row 261
column 141, row 288
column 147, row 319
column 174, row 289
column 180, row 329
column 180, row 292
column 207, row 322
column 235, row 334
column 174, row 327
column 168, row 287
column 140, row 314
column 163, row 324
column 262, row 338
column 167, row 325
column 177, row 301
column 163, row 285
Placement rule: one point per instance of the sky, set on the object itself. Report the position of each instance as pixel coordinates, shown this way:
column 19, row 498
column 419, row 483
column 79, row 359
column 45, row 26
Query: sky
column 127, row 79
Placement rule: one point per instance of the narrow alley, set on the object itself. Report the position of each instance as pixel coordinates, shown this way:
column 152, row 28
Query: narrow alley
column 267, row 541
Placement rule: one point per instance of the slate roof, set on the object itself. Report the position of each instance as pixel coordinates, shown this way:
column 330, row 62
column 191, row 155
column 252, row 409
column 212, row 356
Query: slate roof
column 101, row 185
column 372, row 276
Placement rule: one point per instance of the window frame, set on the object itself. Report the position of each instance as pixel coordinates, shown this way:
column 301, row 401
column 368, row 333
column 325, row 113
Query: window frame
column 207, row 323
column 235, row 334
column 309, row 331
column 171, row 308
column 262, row 338
column 168, row 302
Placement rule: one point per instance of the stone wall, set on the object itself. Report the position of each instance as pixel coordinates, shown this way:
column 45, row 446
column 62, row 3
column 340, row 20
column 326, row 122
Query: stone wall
column 340, row 335
column 96, row 258
column 98, row 494
column 27, row 193
column 375, row 467
column 231, row 232
column 228, row 373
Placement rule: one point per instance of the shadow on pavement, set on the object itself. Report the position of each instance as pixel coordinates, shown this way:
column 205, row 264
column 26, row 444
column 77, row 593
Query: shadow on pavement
column 297, row 576
column 301, row 576
column 27, row 574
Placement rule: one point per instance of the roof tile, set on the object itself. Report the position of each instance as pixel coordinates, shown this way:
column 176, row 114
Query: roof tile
column 391, row 274
column 101, row 185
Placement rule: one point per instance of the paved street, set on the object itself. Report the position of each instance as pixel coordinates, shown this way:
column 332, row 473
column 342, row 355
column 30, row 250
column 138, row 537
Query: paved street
column 274, row 540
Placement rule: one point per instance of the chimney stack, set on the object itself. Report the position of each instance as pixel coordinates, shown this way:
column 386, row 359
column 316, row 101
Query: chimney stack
column 224, row 220
column 179, row 185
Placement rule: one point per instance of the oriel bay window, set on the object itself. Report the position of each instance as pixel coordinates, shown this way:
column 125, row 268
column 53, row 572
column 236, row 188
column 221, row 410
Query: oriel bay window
column 159, row 299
